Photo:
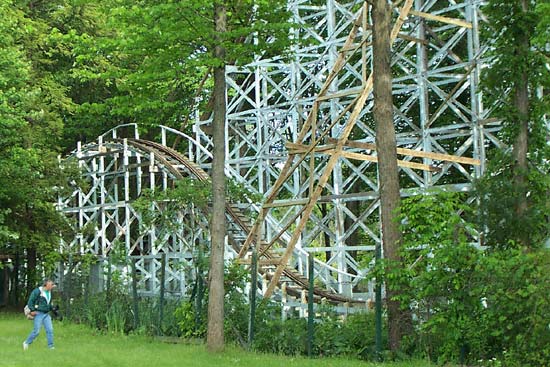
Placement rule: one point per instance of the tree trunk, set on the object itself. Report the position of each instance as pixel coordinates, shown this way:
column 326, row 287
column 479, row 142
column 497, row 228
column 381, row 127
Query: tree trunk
column 215, row 338
column 520, row 148
column 386, row 149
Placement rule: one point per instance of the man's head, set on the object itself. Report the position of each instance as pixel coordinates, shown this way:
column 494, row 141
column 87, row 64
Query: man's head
column 48, row 284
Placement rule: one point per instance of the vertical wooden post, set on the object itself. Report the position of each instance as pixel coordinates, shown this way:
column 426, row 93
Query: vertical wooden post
column 16, row 272
column 87, row 287
column 199, row 287
column 69, row 285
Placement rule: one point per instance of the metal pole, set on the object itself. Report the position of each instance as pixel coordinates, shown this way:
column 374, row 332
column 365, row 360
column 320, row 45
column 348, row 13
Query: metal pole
column 109, row 274
column 162, row 279
column 252, row 297
column 135, row 294
column 68, row 290
column 378, row 305
column 199, row 287
column 198, row 301
column 310, row 307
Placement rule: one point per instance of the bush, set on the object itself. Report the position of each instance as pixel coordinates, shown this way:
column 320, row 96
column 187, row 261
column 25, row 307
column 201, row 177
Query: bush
column 113, row 312
column 516, row 321
column 353, row 336
column 279, row 336
column 334, row 335
column 470, row 305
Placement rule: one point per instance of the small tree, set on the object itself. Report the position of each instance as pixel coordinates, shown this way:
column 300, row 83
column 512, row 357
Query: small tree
column 514, row 191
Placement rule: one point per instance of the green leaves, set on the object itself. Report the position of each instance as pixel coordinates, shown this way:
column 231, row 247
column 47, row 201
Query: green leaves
column 144, row 62
column 509, row 25
column 498, row 196
column 469, row 301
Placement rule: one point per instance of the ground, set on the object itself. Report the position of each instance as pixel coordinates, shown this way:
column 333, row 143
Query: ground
column 79, row 346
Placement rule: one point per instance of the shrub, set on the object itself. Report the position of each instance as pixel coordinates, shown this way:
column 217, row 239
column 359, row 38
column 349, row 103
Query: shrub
column 471, row 305
column 280, row 336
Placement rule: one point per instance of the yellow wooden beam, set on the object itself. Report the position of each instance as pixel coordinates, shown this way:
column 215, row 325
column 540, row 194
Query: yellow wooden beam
column 416, row 153
column 295, row 148
column 439, row 18
column 400, row 163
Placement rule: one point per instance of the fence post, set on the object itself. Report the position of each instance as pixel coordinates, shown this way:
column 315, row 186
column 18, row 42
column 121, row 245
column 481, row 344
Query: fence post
column 87, row 286
column 109, row 274
column 310, row 307
column 69, row 285
column 252, row 297
column 199, row 289
column 162, row 281
column 284, row 301
column 378, row 306
column 135, row 294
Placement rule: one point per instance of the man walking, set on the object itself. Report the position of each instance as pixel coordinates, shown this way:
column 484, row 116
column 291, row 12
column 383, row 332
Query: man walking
column 40, row 304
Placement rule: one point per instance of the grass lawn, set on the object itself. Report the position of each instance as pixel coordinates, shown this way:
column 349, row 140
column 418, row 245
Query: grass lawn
column 77, row 345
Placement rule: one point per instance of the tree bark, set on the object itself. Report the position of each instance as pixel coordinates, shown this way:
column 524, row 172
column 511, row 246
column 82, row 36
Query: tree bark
column 215, row 337
column 386, row 148
column 521, row 146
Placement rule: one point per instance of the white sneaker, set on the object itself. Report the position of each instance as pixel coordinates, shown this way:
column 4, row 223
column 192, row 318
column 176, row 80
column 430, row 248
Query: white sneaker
column 25, row 346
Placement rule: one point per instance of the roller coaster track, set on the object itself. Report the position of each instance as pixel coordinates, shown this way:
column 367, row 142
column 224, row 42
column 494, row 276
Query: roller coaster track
column 177, row 164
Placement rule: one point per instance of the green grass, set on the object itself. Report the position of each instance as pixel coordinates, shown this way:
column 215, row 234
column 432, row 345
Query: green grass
column 77, row 345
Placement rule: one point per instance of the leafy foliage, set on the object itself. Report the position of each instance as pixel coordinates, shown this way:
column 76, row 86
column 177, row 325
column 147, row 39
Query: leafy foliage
column 150, row 62
column 499, row 195
column 470, row 305
column 352, row 336
column 33, row 103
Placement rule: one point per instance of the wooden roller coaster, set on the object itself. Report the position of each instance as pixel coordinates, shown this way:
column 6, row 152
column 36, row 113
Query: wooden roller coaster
column 179, row 166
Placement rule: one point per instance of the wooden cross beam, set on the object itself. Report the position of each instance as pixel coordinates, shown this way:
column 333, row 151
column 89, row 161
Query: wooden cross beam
column 414, row 153
column 330, row 149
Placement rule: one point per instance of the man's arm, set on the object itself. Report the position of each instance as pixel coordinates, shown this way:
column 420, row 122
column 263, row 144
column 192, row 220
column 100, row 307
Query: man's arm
column 32, row 300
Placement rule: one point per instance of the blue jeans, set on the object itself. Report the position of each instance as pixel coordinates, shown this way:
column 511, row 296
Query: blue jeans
column 39, row 319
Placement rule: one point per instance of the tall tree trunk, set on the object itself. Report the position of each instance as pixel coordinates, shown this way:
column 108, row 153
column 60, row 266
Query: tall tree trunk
column 521, row 104
column 214, row 338
column 386, row 149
